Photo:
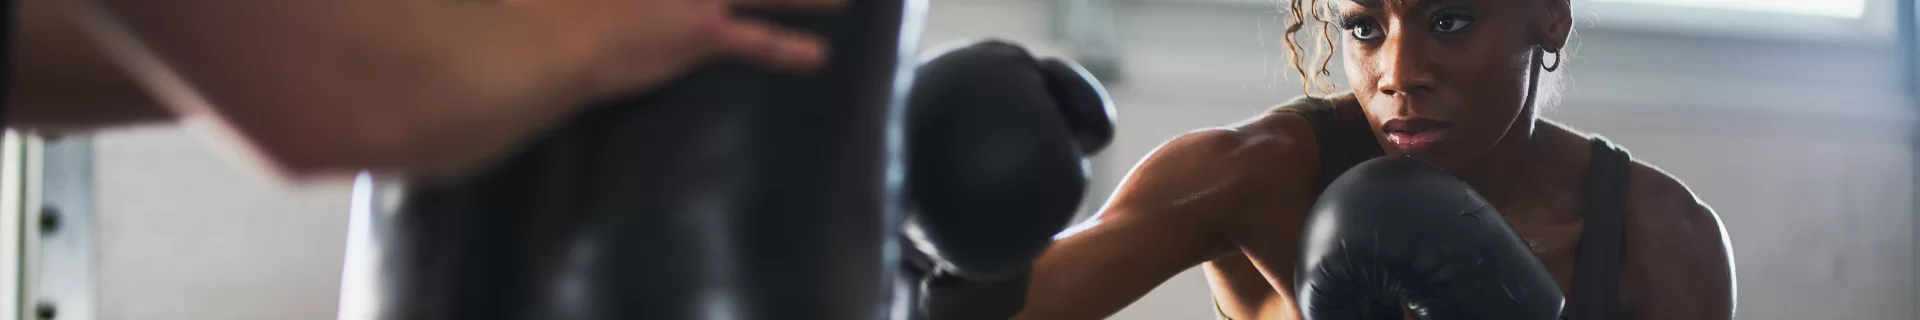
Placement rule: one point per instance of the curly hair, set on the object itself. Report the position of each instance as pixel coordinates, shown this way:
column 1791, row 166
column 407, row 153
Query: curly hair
column 1322, row 37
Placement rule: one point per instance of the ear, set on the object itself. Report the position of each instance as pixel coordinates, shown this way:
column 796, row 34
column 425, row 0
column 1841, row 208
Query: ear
column 1556, row 26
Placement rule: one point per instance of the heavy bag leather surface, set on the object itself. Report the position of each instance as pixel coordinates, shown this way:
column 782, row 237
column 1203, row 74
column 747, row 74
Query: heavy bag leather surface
column 735, row 193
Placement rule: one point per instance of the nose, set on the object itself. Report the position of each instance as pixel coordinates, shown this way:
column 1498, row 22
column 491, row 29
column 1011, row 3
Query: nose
column 1406, row 67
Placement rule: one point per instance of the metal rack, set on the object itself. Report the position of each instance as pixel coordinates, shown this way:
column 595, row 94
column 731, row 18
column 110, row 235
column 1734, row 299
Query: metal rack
column 47, row 244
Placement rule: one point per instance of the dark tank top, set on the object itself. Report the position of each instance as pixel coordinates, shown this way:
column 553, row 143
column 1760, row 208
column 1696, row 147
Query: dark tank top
column 1346, row 140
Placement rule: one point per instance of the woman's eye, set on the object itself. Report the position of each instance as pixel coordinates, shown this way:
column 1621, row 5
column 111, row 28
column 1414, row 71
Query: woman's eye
column 1450, row 23
column 1364, row 31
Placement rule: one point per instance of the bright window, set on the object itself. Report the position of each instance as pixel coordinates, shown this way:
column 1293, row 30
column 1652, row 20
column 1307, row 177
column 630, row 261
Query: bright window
column 1849, row 9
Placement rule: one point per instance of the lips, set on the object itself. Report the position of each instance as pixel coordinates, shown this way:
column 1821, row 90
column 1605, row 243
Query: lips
column 1415, row 135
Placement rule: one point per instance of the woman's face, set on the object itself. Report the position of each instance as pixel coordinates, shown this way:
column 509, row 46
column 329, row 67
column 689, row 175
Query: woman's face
column 1443, row 80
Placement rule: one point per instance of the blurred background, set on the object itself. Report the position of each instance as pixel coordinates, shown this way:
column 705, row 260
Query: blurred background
column 1793, row 119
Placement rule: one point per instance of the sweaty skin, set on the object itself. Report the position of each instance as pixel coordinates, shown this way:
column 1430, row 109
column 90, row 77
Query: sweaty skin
column 1234, row 198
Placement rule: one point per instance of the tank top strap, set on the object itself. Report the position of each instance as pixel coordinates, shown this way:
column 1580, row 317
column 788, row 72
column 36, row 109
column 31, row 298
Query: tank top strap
column 1596, row 271
column 1343, row 141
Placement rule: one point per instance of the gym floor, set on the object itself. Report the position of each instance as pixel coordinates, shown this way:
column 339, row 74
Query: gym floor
column 1801, row 146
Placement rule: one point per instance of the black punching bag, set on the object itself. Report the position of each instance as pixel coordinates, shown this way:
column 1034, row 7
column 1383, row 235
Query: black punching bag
column 1395, row 237
column 734, row 193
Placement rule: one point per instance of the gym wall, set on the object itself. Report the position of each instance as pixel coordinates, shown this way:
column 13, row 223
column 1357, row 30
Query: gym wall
column 185, row 236
column 1802, row 147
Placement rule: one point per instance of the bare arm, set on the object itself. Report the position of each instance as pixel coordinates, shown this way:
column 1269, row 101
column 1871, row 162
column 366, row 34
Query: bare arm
column 1173, row 212
column 422, row 87
column 1679, row 265
column 61, row 80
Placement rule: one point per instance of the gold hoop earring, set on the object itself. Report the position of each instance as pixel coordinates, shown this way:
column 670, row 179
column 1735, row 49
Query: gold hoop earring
column 1556, row 61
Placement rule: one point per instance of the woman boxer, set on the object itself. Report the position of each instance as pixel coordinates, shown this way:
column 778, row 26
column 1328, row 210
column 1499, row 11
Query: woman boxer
column 1455, row 82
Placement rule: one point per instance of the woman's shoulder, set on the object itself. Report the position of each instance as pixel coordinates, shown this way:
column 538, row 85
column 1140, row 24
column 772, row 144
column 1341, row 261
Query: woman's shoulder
column 1278, row 139
column 1677, row 258
column 1661, row 205
column 1269, row 152
column 1655, row 198
column 1679, row 262
column 1215, row 171
column 1286, row 127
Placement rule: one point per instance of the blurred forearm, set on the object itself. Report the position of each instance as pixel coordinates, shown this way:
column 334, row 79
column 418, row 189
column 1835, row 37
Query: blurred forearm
column 58, row 79
column 325, row 87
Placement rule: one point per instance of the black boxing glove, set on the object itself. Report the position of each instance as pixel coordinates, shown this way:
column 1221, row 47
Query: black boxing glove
column 938, row 295
column 997, row 142
column 1396, row 236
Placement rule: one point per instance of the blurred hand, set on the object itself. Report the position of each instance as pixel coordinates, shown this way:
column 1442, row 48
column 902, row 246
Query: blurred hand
column 433, row 87
column 641, row 43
